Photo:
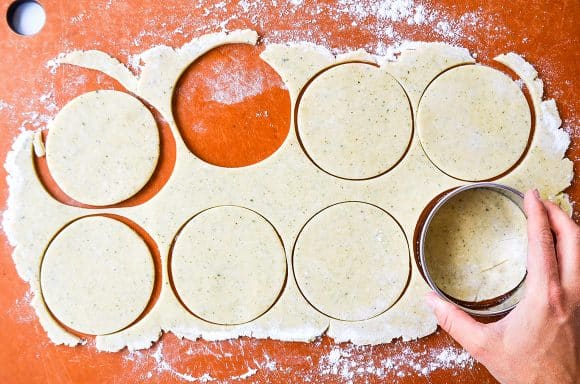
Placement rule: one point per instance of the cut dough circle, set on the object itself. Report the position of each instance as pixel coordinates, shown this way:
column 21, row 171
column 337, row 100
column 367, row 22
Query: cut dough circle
column 473, row 122
column 102, row 147
column 355, row 121
column 476, row 246
column 97, row 275
column 228, row 265
column 351, row 261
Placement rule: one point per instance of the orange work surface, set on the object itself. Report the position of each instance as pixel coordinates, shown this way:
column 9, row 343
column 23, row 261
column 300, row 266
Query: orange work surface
column 545, row 32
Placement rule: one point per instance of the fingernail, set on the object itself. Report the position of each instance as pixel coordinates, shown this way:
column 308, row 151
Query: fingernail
column 537, row 194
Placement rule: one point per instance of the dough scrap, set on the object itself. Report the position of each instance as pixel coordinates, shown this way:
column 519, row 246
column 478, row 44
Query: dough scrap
column 104, row 63
column 286, row 188
column 351, row 261
column 228, row 265
column 97, row 275
column 102, row 147
column 364, row 125
column 476, row 246
column 473, row 122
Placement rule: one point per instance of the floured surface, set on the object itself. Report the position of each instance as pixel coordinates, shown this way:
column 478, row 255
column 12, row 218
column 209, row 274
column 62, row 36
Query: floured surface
column 336, row 363
column 287, row 189
column 476, row 246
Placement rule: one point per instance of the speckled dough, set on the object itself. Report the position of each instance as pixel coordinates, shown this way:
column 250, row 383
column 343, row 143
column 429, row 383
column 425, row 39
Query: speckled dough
column 355, row 121
column 351, row 261
column 97, row 275
column 228, row 265
column 473, row 122
column 102, row 147
column 287, row 189
column 476, row 246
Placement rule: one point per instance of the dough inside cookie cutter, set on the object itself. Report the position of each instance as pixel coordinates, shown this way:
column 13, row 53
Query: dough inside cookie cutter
column 496, row 306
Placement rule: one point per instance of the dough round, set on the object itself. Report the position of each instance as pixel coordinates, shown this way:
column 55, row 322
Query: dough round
column 355, row 121
column 476, row 246
column 97, row 275
column 102, row 147
column 351, row 261
column 228, row 265
column 473, row 122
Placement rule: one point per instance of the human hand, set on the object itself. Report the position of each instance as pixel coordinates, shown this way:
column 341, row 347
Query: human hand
column 539, row 340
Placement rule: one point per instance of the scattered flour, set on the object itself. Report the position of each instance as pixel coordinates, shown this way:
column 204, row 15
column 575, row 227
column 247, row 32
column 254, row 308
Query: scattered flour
column 78, row 18
column 47, row 100
column 164, row 366
column 36, row 120
column 198, row 127
column 452, row 30
column 22, row 311
column 385, row 10
column 137, row 359
column 53, row 64
column 342, row 363
column 233, row 85
column 134, row 62
column 346, row 363
column 5, row 105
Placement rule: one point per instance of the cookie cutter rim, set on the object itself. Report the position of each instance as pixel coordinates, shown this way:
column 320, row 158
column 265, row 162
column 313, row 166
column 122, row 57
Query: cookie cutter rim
column 514, row 196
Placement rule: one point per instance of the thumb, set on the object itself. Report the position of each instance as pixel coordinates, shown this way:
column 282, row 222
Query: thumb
column 463, row 328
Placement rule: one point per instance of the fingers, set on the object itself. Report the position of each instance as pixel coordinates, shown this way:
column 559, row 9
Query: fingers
column 542, row 262
column 462, row 327
column 567, row 246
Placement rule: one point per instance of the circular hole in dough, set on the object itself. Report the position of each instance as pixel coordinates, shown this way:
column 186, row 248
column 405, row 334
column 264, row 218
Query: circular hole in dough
column 474, row 122
column 476, row 246
column 355, row 121
column 97, row 275
column 228, row 265
column 102, row 147
column 231, row 107
column 351, row 261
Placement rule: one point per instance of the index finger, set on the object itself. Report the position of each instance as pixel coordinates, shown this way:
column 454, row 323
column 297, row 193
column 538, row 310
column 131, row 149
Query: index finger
column 542, row 262
column 567, row 245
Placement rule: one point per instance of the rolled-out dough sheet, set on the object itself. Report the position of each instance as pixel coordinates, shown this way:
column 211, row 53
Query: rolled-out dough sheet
column 476, row 246
column 287, row 189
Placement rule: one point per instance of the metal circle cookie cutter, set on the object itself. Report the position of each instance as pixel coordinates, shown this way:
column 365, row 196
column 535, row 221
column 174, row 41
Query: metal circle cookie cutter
column 494, row 307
